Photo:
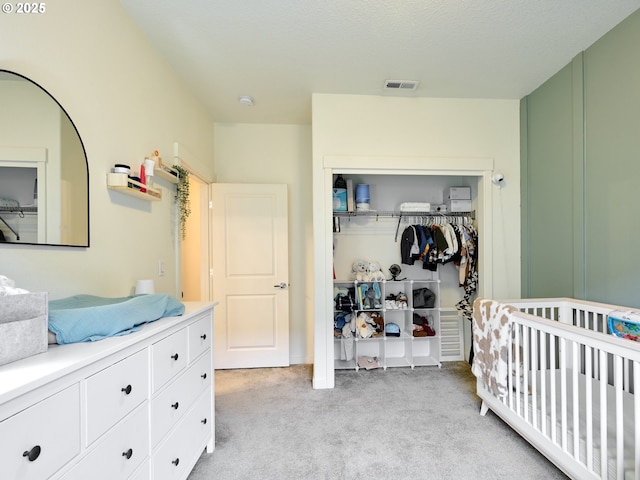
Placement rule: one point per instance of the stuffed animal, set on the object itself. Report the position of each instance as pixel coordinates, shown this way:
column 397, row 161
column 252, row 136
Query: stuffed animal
column 359, row 271
column 366, row 325
column 369, row 299
column 375, row 272
column 370, row 296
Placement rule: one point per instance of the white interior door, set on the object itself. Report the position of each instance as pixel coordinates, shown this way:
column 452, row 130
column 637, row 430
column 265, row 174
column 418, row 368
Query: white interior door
column 250, row 275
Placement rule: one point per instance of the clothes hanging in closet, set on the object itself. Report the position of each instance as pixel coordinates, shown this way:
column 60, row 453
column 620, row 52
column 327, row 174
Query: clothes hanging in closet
column 436, row 242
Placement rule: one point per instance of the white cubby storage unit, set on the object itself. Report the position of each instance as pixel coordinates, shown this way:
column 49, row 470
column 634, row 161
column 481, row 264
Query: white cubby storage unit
column 394, row 305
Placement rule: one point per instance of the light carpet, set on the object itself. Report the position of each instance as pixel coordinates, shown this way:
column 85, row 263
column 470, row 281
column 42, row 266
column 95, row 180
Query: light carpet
column 374, row 425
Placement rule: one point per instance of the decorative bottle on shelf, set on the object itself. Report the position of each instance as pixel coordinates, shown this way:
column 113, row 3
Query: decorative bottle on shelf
column 143, row 179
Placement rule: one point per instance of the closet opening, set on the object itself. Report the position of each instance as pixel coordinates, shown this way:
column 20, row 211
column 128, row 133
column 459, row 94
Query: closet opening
column 374, row 237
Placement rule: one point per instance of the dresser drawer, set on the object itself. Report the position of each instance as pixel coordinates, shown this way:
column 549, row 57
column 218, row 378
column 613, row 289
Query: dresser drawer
column 50, row 427
column 185, row 445
column 199, row 337
column 143, row 473
column 168, row 358
column 115, row 391
column 171, row 404
column 120, row 453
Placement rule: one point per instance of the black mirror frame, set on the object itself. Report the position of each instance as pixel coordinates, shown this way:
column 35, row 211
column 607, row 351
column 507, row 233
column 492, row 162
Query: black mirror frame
column 88, row 244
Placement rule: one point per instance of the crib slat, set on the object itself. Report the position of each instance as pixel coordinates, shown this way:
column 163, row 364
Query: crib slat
column 588, row 395
column 575, row 400
column 603, row 414
column 533, row 387
column 636, row 417
column 543, row 382
column 563, row 393
column 552, row 383
column 509, row 397
column 525, row 368
column 618, row 382
column 518, row 344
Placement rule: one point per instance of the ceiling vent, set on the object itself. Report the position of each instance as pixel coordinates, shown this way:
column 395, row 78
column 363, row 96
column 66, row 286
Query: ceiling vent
column 401, row 84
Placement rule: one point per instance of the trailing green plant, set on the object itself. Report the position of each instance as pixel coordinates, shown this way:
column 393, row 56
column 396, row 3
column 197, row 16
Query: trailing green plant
column 182, row 198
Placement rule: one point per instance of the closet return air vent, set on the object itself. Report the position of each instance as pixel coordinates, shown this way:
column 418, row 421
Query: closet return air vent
column 401, row 84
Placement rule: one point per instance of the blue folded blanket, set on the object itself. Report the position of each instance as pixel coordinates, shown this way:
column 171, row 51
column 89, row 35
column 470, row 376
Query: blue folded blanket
column 86, row 318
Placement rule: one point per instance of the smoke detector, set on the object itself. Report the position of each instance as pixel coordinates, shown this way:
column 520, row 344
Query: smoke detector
column 401, row 84
column 246, row 100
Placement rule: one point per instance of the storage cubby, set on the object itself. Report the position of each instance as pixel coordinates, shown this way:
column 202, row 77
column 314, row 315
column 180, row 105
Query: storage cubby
column 362, row 329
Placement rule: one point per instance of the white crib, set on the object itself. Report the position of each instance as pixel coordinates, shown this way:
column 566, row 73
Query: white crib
column 571, row 388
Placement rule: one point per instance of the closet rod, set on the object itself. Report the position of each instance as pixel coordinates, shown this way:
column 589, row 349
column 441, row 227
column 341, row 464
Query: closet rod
column 391, row 214
column 401, row 214
column 471, row 215
column 21, row 210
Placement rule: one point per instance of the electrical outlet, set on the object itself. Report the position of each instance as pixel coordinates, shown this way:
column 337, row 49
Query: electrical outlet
column 161, row 268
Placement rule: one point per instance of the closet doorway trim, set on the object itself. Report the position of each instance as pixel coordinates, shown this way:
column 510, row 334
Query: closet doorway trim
column 481, row 167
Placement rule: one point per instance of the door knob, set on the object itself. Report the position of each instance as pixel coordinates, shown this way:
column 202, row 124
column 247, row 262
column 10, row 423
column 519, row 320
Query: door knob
column 281, row 285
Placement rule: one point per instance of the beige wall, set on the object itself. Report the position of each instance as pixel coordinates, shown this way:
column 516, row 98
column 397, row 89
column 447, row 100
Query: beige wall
column 279, row 154
column 363, row 125
column 125, row 102
column 417, row 134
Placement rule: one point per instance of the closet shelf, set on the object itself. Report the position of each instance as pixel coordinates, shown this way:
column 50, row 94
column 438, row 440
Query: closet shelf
column 19, row 210
column 400, row 214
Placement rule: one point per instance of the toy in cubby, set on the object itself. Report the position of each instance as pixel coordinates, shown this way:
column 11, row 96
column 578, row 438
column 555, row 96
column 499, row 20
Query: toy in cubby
column 369, row 324
column 360, row 271
column 365, row 271
column 375, row 272
column 369, row 296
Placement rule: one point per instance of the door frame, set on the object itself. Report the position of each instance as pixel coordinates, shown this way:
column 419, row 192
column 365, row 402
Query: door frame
column 323, row 368
column 180, row 153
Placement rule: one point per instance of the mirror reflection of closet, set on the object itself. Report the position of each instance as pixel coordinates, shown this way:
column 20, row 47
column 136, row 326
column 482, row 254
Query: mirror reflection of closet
column 44, row 176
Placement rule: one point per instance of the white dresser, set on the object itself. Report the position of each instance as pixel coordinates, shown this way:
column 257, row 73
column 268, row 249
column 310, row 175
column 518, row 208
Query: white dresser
column 139, row 406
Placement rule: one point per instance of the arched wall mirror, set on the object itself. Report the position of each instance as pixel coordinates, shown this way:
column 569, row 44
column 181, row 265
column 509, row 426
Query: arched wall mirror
column 44, row 174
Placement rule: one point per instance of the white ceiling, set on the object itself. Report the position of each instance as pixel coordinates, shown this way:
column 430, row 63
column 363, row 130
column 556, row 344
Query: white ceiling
column 282, row 51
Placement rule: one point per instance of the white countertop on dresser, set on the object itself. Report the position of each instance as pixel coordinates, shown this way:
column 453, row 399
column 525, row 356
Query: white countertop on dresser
column 32, row 372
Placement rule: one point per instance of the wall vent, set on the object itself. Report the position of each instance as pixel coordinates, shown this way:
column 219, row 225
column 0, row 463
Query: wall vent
column 401, row 84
